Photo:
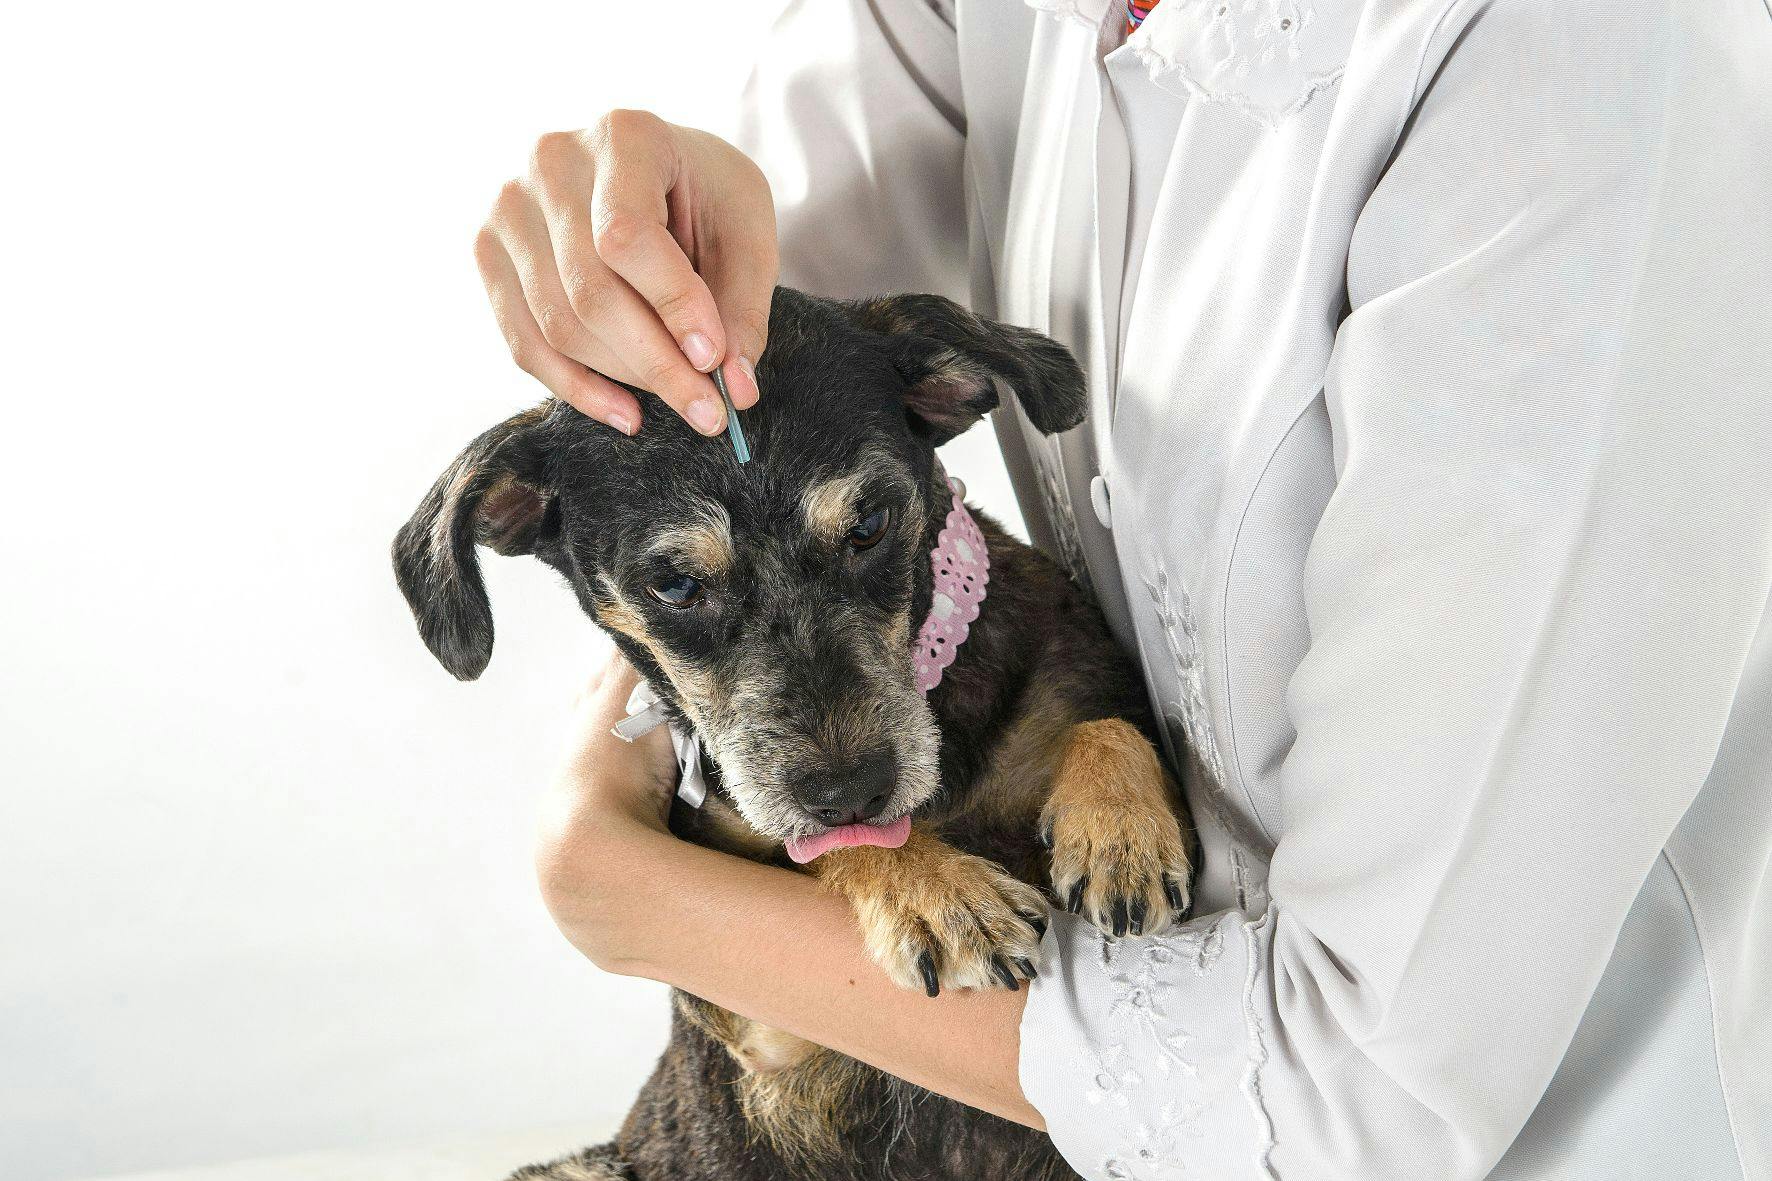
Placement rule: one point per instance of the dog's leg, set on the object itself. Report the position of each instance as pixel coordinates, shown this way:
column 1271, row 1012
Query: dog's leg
column 593, row 1164
column 689, row 1122
column 933, row 916
column 1116, row 830
column 757, row 1048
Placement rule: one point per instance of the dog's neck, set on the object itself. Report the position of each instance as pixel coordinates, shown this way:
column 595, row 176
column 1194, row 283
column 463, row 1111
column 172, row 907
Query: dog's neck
column 979, row 694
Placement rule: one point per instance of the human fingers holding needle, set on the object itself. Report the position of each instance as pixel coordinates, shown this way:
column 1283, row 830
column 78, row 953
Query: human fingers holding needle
column 640, row 253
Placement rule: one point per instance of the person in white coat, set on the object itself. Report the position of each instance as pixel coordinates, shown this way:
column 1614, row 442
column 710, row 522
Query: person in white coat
column 1429, row 473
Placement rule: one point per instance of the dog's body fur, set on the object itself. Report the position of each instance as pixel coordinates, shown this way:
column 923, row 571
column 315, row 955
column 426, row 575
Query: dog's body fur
column 1043, row 773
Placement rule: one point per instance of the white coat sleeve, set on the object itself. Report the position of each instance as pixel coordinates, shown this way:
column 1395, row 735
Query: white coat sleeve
column 854, row 114
column 1531, row 599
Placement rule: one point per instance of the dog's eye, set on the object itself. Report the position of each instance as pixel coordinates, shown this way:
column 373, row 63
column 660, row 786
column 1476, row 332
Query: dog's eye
column 869, row 530
column 678, row 591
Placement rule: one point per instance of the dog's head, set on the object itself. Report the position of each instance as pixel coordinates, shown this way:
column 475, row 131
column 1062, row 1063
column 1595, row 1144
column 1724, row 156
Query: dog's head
column 774, row 604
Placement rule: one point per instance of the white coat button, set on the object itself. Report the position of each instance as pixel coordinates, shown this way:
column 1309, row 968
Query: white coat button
column 1098, row 497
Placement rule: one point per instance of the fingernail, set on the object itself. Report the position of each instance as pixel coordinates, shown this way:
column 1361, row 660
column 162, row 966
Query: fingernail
column 622, row 421
column 700, row 351
column 750, row 374
column 707, row 416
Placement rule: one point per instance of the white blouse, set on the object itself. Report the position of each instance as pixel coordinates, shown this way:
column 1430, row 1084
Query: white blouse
column 1430, row 476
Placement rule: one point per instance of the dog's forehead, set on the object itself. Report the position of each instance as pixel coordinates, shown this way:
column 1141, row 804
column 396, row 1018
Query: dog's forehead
column 670, row 489
column 810, row 487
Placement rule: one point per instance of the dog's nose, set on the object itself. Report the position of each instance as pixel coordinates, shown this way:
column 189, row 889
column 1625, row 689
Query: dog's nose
column 850, row 794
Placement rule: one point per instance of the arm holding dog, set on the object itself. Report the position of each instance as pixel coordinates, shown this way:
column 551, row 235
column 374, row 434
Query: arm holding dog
column 781, row 951
column 766, row 943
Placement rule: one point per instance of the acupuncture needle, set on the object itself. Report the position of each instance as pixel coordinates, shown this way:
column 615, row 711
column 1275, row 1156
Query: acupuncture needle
column 734, row 432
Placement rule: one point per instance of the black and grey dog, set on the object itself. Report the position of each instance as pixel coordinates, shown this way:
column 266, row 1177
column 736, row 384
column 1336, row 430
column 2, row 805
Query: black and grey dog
column 774, row 606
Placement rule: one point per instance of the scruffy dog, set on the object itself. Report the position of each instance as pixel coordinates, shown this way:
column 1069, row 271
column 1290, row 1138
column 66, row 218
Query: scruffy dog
column 776, row 607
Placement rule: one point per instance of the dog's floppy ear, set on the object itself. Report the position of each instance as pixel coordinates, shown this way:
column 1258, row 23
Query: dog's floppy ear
column 952, row 359
column 495, row 494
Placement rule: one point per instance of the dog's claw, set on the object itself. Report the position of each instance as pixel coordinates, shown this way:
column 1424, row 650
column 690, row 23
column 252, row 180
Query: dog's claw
column 1122, row 917
column 962, row 925
column 1122, row 882
column 1027, row 969
column 1038, row 923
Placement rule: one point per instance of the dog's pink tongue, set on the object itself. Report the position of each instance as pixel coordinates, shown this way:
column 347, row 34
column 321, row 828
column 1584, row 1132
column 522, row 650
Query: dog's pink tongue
column 887, row 836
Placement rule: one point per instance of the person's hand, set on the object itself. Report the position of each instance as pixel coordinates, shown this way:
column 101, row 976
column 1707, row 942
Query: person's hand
column 637, row 251
column 603, row 778
column 602, row 816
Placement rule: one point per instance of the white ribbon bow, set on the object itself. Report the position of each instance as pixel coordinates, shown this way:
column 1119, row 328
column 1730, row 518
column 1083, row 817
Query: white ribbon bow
column 645, row 712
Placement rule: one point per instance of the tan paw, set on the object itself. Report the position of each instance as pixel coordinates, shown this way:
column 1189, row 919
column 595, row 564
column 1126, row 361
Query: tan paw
column 936, row 918
column 1119, row 846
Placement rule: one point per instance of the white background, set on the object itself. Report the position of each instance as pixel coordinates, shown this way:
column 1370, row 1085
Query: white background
column 264, row 867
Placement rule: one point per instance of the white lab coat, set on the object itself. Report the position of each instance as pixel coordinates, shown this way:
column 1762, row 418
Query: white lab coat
column 1430, row 475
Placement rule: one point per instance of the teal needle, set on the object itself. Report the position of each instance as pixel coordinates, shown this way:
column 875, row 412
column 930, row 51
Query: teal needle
column 734, row 432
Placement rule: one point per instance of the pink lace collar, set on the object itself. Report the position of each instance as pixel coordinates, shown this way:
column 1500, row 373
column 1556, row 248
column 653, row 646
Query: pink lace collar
column 962, row 565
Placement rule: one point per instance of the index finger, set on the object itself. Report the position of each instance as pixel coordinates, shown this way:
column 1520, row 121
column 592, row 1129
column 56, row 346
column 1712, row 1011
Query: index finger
column 629, row 222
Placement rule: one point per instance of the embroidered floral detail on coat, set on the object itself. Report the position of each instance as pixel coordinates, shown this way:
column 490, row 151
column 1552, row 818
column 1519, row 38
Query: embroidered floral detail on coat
column 1267, row 58
column 1187, row 721
column 1158, row 1149
column 1141, row 974
column 1057, row 500
column 1114, row 1077
column 1181, row 634
column 1143, row 1004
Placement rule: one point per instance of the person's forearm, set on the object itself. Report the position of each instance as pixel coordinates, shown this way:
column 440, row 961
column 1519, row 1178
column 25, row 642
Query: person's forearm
column 776, row 947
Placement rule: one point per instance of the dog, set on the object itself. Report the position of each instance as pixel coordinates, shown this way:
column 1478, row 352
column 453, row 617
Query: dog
column 782, row 611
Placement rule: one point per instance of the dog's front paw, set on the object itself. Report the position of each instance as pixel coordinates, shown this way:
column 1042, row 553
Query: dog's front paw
column 967, row 924
column 1119, row 848
column 934, row 917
